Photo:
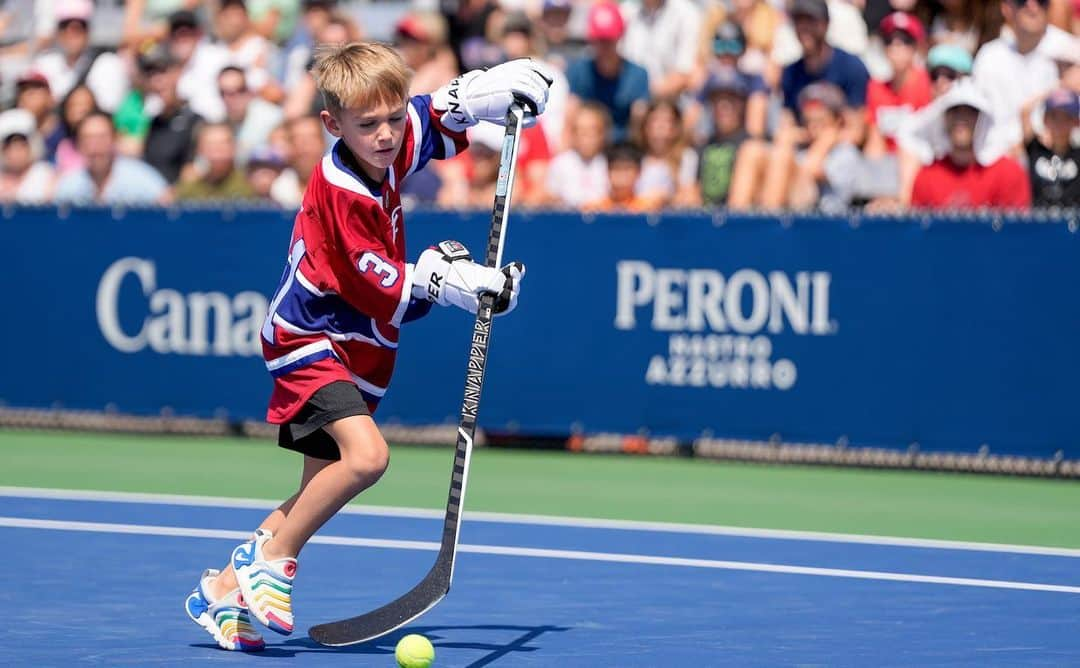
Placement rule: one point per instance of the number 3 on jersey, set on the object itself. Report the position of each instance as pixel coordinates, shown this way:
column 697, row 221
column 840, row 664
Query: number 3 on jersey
column 371, row 262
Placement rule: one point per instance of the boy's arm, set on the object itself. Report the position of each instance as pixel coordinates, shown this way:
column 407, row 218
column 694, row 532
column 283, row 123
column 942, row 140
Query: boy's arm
column 396, row 291
column 437, row 122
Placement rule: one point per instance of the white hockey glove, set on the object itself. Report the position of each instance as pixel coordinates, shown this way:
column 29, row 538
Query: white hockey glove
column 485, row 95
column 447, row 276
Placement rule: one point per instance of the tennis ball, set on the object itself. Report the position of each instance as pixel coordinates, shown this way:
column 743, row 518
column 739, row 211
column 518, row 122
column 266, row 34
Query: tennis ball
column 414, row 651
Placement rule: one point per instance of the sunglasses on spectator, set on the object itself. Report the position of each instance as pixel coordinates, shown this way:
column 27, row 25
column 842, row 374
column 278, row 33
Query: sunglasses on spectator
column 67, row 23
column 947, row 72
column 1020, row 3
column 902, row 37
column 226, row 92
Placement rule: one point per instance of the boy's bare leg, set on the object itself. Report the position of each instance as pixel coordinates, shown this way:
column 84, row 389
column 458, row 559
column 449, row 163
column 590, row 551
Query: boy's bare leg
column 226, row 581
column 746, row 174
column 364, row 458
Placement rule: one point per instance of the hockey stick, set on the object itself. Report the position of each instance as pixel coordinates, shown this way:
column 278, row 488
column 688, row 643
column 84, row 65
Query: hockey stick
column 435, row 585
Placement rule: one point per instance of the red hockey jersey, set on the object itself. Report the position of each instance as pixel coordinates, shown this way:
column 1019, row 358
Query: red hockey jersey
column 347, row 288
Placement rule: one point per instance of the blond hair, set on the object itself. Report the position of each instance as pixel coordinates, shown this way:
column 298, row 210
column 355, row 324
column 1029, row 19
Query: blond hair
column 360, row 74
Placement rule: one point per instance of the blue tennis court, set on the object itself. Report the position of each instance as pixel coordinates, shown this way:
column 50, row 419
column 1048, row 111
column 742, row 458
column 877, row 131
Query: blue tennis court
column 101, row 579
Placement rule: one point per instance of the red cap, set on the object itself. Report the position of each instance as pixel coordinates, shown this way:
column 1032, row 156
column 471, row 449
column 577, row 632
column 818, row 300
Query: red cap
column 605, row 22
column 412, row 27
column 32, row 77
column 902, row 22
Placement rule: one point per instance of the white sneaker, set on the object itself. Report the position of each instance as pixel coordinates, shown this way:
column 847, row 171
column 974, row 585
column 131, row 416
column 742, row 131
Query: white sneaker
column 265, row 585
column 226, row 619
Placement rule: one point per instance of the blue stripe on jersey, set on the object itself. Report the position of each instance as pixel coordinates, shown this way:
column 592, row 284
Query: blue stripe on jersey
column 328, row 313
column 302, row 362
column 431, row 140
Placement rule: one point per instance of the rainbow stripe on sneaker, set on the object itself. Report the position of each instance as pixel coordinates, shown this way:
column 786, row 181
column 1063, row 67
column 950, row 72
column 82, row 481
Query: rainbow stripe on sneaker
column 266, row 585
column 272, row 596
column 227, row 619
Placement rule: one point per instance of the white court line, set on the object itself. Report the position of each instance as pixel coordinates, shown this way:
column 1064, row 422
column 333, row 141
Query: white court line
column 548, row 520
column 614, row 557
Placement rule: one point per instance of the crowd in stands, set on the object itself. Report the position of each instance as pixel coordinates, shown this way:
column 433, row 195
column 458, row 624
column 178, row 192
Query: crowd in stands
column 750, row 104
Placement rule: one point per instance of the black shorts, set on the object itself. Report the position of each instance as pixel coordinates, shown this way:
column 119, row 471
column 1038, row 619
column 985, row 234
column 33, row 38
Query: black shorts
column 305, row 434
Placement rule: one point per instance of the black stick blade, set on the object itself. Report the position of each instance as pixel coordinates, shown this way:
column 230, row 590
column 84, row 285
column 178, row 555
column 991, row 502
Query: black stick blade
column 389, row 617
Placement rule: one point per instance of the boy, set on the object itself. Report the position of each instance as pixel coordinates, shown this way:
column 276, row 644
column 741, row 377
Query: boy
column 890, row 103
column 624, row 168
column 579, row 174
column 1053, row 161
column 331, row 333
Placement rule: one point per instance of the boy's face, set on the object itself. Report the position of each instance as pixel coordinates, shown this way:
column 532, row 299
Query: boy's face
column 218, row 148
column 373, row 134
column 623, row 175
column 728, row 111
column 960, row 126
column 1060, row 123
column 588, row 134
column 16, row 153
column 818, row 119
column 900, row 50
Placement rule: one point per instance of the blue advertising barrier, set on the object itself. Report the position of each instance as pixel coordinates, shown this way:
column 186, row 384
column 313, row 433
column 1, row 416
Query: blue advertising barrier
column 953, row 334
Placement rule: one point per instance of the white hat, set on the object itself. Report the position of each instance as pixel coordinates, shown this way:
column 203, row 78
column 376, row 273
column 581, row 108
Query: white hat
column 81, row 10
column 17, row 122
column 924, row 133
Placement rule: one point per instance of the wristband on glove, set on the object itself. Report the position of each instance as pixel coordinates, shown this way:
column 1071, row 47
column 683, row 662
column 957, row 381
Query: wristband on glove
column 447, row 276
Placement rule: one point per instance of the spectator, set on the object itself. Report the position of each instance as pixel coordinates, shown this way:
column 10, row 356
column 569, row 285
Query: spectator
column 822, row 62
column 554, row 26
column 74, row 61
column 420, row 37
column 24, row 177
column 246, row 48
column 1053, row 161
column 146, row 20
column 967, row 24
column 579, row 174
column 890, row 103
column 624, row 168
column 669, row 166
column 727, row 49
column 251, row 118
column 662, row 37
column 760, row 22
column 78, row 104
column 108, row 178
column 729, row 165
column 275, row 20
column 200, row 61
column 303, row 98
column 469, row 179
column 264, row 166
column 32, row 93
column 469, row 24
column 947, row 63
column 300, row 48
column 306, row 149
column 967, row 173
column 826, row 170
column 531, row 176
column 819, row 62
column 213, row 175
column 520, row 41
column 606, row 77
column 132, row 119
column 169, row 138
column 1016, row 67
